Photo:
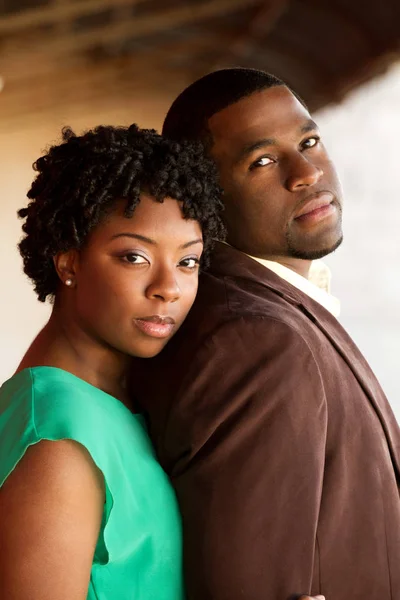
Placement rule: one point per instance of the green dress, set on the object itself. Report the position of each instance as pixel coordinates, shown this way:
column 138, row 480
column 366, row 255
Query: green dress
column 139, row 550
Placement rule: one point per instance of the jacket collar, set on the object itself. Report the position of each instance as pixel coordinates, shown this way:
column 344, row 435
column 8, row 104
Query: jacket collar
column 227, row 261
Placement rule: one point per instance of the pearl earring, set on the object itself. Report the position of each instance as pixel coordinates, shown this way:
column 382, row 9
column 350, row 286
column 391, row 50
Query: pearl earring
column 68, row 282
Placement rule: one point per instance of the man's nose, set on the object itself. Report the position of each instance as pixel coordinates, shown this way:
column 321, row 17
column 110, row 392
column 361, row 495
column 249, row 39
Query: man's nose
column 164, row 287
column 302, row 173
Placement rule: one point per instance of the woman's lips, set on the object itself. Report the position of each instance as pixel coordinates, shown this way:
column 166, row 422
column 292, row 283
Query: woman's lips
column 158, row 327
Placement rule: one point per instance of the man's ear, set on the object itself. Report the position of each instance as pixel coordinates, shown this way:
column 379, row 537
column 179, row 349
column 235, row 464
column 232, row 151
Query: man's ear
column 66, row 265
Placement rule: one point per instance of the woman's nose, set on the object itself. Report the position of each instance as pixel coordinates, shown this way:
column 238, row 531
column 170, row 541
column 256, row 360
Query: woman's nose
column 302, row 173
column 165, row 287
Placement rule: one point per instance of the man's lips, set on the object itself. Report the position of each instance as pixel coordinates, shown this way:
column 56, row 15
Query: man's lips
column 155, row 326
column 316, row 208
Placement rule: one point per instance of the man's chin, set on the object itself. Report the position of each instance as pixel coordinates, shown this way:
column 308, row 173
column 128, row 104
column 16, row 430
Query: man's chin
column 313, row 253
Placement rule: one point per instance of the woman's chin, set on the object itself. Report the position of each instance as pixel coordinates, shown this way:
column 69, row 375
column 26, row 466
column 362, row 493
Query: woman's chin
column 150, row 350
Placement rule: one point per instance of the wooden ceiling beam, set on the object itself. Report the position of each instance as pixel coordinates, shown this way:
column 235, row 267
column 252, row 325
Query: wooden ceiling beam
column 140, row 26
column 255, row 30
column 65, row 85
column 27, row 70
column 358, row 23
column 54, row 13
column 117, row 80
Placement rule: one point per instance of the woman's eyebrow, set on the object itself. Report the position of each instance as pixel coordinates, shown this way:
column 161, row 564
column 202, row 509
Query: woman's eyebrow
column 136, row 236
column 192, row 243
column 147, row 240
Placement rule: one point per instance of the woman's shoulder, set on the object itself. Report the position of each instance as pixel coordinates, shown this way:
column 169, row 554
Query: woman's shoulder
column 50, row 403
column 53, row 388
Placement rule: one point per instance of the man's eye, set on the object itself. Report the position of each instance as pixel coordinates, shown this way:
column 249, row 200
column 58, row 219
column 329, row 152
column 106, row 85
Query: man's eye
column 134, row 259
column 310, row 142
column 190, row 263
column 261, row 162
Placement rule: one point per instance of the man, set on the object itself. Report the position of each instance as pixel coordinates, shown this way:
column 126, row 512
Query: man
column 279, row 441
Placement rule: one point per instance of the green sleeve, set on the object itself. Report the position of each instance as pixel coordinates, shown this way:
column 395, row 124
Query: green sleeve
column 36, row 410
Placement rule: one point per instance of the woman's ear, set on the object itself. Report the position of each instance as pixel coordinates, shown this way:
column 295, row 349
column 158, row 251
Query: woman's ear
column 66, row 265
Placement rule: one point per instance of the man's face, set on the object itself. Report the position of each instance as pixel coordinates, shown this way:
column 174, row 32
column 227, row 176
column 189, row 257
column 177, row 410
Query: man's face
column 282, row 194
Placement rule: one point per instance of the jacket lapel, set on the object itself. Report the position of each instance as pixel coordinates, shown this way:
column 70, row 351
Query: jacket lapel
column 350, row 353
column 229, row 262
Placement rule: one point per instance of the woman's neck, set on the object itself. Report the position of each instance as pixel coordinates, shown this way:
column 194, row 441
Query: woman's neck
column 64, row 345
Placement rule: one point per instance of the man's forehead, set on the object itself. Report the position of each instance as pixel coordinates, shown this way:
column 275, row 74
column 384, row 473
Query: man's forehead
column 274, row 111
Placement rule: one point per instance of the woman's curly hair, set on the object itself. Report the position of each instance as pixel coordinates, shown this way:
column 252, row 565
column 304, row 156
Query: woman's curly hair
column 80, row 180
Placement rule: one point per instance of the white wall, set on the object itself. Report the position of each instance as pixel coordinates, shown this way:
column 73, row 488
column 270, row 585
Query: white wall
column 363, row 138
column 362, row 135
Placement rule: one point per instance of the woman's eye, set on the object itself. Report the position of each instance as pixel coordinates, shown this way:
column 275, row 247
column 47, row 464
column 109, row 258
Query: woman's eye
column 262, row 162
column 190, row 263
column 134, row 259
column 310, row 142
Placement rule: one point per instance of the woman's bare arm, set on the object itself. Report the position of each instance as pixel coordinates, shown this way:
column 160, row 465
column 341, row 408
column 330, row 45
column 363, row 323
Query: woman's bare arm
column 51, row 509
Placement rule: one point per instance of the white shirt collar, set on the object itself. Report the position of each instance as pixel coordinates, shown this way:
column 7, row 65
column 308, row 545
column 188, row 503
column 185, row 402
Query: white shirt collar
column 317, row 286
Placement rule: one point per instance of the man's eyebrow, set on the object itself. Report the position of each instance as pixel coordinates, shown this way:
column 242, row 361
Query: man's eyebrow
column 147, row 240
column 256, row 146
column 310, row 125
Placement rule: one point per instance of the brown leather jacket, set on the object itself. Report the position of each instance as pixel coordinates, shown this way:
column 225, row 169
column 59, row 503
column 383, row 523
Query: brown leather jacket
column 280, row 443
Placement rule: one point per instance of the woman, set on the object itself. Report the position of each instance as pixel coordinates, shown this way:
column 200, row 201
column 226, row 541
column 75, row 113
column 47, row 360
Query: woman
column 118, row 223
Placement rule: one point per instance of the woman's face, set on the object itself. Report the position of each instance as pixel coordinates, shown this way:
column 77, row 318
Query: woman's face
column 136, row 278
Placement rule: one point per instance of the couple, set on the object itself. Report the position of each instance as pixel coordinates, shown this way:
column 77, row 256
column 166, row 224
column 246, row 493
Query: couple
column 280, row 444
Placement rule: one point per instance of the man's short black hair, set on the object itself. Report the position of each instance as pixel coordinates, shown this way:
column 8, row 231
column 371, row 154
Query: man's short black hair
column 189, row 114
column 80, row 180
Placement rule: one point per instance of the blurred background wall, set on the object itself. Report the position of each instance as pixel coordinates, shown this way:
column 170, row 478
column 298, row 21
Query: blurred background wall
column 86, row 62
